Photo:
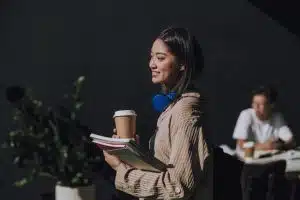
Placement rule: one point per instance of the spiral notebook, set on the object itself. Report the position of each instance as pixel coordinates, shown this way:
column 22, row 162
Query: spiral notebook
column 129, row 152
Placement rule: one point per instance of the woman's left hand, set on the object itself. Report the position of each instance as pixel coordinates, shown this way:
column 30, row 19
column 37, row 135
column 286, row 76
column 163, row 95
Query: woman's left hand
column 112, row 160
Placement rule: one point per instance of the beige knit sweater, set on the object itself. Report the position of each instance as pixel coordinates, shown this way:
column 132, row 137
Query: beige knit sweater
column 179, row 143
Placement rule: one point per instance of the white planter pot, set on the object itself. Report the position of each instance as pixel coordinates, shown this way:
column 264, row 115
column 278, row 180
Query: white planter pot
column 78, row 193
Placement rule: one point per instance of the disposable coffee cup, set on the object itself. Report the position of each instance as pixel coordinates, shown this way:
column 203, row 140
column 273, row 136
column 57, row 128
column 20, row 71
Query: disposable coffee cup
column 125, row 122
column 249, row 149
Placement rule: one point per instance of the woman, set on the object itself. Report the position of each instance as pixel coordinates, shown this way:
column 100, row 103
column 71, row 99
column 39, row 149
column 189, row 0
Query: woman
column 175, row 61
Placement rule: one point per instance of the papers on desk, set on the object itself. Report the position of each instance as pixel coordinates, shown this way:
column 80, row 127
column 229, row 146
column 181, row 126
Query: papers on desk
column 257, row 154
column 227, row 149
column 293, row 154
column 292, row 158
column 260, row 153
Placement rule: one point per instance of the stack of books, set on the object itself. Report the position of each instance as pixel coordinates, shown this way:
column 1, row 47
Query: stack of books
column 129, row 152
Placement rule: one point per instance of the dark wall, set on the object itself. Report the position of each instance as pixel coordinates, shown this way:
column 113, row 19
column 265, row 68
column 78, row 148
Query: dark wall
column 45, row 45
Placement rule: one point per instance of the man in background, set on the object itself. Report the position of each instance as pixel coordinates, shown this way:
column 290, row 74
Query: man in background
column 262, row 125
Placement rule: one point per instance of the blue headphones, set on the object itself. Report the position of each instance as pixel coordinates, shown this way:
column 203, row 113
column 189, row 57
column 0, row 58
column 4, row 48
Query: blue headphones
column 161, row 101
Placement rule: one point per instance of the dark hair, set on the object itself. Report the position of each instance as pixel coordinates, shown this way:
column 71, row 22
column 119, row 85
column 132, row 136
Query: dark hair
column 268, row 91
column 188, row 52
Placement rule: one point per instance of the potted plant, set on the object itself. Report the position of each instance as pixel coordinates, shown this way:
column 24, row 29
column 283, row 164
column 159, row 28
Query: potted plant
column 50, row 141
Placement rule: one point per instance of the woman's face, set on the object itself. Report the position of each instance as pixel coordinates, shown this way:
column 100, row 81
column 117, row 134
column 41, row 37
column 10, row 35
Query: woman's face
column 163, row 64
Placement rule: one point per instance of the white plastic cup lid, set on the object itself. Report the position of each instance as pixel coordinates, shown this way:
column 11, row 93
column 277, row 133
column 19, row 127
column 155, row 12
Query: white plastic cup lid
column 248, row 144
column 121, row 113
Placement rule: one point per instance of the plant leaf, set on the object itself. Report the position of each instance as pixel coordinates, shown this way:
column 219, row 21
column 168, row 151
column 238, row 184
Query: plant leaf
column 78, row 105
column 21, row 182
column 81, row 79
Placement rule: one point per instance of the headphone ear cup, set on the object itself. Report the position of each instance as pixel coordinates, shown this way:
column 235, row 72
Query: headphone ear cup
column 161, row 101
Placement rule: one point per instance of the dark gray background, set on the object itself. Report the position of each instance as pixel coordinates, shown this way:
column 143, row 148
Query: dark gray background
column 45, row 45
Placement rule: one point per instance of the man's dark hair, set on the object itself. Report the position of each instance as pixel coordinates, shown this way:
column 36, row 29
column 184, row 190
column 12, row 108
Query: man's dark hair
column 268, row 91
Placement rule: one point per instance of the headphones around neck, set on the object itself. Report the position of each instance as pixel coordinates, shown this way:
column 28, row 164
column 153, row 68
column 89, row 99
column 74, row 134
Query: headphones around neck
column 161, row 101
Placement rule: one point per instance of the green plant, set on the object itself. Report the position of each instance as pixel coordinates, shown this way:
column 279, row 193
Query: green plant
column 50, row 141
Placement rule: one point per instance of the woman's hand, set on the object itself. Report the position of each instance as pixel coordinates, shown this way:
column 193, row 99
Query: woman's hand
column 112, row 160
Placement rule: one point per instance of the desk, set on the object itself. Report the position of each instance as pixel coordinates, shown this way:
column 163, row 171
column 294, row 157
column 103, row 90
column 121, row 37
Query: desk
column 292, row 170
column 292, row 158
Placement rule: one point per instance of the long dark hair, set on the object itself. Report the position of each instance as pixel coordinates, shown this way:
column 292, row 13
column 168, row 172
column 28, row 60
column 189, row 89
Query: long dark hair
column 188, row 52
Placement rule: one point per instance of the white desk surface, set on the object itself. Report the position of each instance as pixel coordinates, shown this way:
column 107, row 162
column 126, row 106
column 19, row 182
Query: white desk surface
column 292, row 158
